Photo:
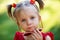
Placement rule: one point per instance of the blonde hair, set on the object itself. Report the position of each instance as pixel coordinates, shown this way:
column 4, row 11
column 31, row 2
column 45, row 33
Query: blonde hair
column 22, row 4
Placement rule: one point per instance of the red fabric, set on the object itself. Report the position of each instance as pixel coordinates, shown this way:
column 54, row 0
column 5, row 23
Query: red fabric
column 43, row 34
column 19, row 36
column 49, row 34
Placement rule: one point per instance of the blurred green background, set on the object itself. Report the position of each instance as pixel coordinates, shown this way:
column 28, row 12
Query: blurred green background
column 50, row 18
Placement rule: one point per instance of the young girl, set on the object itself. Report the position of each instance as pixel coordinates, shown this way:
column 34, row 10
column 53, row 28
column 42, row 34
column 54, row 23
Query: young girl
column 27, row 17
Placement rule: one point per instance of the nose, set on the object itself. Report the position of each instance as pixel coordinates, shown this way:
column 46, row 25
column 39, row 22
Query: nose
column 29, row 22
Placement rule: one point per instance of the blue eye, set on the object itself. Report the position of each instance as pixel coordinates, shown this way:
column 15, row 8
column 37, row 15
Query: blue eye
column 23, row 20
column 32, row 17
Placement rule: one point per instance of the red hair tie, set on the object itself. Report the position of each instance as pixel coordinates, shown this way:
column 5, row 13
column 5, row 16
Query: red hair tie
column 14, row 5
column 32, row 1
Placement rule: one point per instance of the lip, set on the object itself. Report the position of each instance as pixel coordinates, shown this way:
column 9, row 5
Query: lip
column 31, row 29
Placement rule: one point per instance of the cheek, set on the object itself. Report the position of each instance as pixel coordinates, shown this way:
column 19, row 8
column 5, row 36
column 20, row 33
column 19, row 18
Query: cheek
column 23, row 26
column 36, row 21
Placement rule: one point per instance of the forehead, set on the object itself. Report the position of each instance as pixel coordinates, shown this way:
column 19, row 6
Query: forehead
column 27, row 11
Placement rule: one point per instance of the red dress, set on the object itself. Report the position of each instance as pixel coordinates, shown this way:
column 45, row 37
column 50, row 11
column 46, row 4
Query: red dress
column 19, row 36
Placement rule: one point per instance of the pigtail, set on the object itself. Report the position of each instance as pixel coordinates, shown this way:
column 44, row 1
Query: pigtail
column 41, row 4
column 9, row 10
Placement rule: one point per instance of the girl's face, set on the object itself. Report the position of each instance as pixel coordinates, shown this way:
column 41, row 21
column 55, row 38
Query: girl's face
column 27, row 19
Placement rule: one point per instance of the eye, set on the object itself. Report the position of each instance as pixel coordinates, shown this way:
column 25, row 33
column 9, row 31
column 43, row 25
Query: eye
column 23, row 20
column 32, row 17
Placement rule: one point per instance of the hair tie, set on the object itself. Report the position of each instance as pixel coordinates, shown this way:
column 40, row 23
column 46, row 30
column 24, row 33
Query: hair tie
column 14, row 5
column 32, row 1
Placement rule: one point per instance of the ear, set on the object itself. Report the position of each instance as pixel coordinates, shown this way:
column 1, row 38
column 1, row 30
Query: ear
column 39, row 18
column 19, row 27
column 17, row 23
column 16, row 20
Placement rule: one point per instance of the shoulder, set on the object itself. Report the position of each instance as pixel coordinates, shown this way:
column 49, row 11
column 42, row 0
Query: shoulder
column 48, row 36
column 19, row 36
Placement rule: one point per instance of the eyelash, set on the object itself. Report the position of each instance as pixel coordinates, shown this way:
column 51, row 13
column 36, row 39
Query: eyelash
column 32, row 17
column 23, row 20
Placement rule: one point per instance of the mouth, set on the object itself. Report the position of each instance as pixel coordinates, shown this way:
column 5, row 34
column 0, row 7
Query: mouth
column 30, row 29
